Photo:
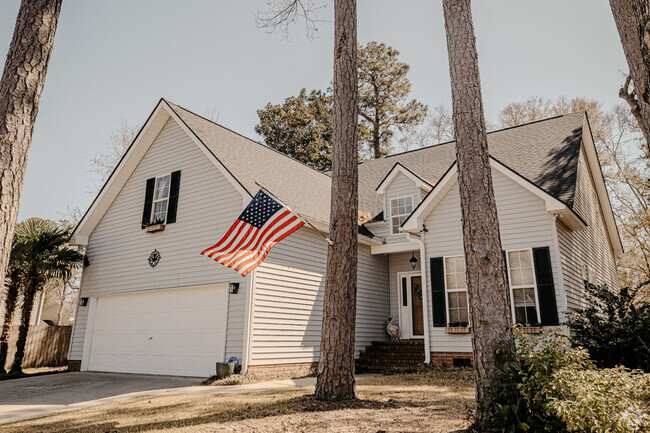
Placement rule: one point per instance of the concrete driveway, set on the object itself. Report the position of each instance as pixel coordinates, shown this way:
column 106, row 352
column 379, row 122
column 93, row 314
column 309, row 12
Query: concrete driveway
column 31, row 397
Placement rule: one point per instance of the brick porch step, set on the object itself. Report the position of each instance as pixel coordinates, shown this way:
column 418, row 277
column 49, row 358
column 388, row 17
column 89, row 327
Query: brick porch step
column 383, row 356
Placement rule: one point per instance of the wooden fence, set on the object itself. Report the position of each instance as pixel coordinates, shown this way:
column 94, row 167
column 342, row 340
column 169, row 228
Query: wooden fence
column 47, row 346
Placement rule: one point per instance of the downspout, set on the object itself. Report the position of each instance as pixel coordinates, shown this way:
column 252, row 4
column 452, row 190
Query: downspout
column 425, row 293
column 248, row 329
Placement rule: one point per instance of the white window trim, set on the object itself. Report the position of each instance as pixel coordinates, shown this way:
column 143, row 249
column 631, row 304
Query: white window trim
column 526, row 286
column 447, row 291
column 389, row 209
column 153, row 201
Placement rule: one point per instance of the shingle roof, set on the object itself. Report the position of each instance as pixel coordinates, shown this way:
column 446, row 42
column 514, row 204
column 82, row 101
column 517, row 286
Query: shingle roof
column 544, row 152
column 301, row 187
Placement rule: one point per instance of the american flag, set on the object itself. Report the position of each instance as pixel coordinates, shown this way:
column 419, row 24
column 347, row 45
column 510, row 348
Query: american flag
column 264, row 223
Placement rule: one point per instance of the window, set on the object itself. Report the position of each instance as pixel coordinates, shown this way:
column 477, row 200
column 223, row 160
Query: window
column 160, row 198
column 456, row 285
column 523, row 290
column 400, row 209
column 589, row 274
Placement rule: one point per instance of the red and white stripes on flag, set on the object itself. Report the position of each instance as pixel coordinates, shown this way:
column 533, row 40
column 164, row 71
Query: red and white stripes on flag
column 264, row 223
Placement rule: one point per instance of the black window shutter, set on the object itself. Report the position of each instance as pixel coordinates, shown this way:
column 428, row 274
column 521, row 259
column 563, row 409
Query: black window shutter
column 173, row 197
column 545, row 286
column 148, row 200
column 438, row 292
column 505, row 266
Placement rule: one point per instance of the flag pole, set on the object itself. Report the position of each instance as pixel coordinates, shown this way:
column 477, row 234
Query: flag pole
column 306, row 221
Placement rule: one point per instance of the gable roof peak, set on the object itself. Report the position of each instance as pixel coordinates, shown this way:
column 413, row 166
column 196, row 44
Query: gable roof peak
column 173, row 105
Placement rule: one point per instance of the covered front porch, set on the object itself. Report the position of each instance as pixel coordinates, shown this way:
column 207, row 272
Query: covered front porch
column 408, row 297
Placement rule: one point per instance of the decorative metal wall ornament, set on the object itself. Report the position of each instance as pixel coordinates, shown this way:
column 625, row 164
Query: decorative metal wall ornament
column 154, row 258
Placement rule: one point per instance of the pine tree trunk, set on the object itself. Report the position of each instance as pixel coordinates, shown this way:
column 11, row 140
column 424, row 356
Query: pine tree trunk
column 486, row 278
column 11, row 298
column 25, row 317
column 633, row 22
column 336, row 367
column 20, row 94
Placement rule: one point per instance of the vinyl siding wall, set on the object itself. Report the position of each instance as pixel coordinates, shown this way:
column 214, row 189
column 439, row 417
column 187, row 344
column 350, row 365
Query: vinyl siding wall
column 590, row 246
column 288, row 304
column 524, row 223
column 118, row 248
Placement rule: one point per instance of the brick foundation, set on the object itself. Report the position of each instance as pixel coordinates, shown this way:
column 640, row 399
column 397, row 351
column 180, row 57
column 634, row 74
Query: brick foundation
column 74, row 365
column 302, row 369
column 446, row 359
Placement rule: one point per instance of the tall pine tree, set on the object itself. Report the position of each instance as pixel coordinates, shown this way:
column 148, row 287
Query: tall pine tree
column 486, row 278
column 633, row 22
column 335, row 379
column 21, row 87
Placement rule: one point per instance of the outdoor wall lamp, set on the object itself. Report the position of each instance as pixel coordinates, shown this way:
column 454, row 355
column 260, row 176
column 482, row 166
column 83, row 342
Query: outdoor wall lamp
column 233, row 288
column 413, row 261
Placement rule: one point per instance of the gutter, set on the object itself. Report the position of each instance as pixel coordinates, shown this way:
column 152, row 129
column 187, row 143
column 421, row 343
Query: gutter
column 425, row 294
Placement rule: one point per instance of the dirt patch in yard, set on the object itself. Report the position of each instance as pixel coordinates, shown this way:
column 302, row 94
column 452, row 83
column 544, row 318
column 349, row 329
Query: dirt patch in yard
column 27, row 372
column 433, row 401
column 233, row 379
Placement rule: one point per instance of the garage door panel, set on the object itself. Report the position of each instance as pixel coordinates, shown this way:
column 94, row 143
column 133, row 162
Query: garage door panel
column 175, row 332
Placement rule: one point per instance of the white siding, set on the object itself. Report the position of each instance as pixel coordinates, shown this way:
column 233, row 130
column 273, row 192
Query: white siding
column 288, row 306
column 373, row 298
column 524, row 223
column 118, row 248
column 590, row 246
column 401, row 186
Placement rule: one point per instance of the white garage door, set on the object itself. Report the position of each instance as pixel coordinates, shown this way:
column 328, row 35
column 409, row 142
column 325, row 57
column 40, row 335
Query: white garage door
column 172, row 332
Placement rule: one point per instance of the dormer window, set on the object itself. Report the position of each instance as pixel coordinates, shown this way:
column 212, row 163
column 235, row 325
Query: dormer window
column 400, row 209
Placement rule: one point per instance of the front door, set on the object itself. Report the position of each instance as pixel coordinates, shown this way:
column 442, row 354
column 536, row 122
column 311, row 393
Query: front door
column 411, row 306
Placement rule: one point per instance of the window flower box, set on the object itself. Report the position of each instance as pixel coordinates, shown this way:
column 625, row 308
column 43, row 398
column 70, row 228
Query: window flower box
column 457, row 329
column 530, row 329
column 155, row 228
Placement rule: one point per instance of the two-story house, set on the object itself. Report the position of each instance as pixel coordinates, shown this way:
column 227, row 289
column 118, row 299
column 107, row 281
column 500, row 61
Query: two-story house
column 150, row 303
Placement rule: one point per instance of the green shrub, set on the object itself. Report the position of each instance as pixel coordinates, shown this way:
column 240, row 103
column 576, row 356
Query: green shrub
column 546, row 385
column 614, row 328
column 518, row 403
column 607, row 400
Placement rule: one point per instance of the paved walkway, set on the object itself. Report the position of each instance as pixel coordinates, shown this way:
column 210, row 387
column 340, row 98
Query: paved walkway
column 33, row 397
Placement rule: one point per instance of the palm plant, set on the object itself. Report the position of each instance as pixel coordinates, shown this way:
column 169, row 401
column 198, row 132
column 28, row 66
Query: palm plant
column 41, row 253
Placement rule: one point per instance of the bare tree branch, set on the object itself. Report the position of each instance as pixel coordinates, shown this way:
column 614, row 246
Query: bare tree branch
column 282, row 13
column 119, row 141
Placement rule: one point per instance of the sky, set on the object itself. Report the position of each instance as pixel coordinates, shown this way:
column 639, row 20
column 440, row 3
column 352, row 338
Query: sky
column 114, row 60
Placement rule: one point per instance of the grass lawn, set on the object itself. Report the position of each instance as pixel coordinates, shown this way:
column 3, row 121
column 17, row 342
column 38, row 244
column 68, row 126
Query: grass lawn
column 27, row 372
column 433, row 401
